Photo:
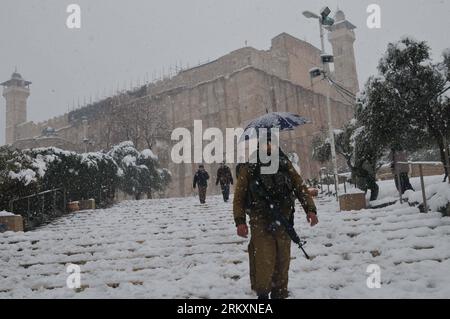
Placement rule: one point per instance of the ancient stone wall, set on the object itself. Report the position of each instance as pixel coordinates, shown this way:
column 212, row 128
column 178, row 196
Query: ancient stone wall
column 226, row 93
column 234, row 100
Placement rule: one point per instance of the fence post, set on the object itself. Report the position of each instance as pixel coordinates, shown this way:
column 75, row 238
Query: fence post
column 328, row 183
column 54, row 201
column 345, row 186
column 321, row 183
column 64, row 200
column 447, row 159
column 422, row 183
column 397, row 176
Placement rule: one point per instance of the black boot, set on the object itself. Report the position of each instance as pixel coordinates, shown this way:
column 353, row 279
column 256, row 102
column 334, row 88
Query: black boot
column 263, row 296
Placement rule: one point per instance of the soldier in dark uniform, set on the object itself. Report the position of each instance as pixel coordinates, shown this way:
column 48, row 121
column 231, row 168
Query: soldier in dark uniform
column 269, row 248
column 201, row 180
column 225, row 178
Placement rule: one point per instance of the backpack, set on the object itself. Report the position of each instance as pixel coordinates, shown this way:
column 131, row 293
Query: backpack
column 278, row 185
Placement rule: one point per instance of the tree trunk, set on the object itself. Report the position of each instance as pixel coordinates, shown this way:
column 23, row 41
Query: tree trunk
column 444, row 154
column 447, row 159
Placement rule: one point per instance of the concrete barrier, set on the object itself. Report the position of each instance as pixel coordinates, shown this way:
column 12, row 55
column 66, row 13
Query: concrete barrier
column 355, row 201
column 87, row 204
column 73, row 206
column 12, row 223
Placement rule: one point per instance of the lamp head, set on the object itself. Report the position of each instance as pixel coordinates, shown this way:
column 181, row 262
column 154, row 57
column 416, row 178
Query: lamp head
column 310, row 15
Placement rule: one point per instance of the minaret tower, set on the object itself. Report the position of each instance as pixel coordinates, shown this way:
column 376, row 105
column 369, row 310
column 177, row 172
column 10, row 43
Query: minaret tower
column 342, row 37
column 16, row 91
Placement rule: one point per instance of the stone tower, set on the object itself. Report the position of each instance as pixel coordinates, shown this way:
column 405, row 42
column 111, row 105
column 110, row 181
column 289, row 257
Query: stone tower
column 342, row 37
column 16, row 91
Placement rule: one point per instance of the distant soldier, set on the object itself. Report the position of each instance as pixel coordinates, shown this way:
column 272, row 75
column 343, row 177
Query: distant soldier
column 201, row 180
column 270, row 246
column 225, row 178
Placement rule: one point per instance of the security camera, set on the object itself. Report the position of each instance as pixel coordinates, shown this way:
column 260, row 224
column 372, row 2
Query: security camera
column 315, row 72
column 327, row 58
column 325, row 12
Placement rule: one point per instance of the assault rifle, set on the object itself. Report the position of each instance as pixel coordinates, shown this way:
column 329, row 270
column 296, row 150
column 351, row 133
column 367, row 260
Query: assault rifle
column 278, row 218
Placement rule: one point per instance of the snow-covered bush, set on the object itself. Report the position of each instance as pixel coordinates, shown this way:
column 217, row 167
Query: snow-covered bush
column 83, row 176
column 18, row 177
column 139, row 171
column 94, row 175
column 437, row 194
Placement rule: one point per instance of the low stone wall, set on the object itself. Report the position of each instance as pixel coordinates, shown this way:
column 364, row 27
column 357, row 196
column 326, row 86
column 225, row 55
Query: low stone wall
column 428, row 170
column 385, row 172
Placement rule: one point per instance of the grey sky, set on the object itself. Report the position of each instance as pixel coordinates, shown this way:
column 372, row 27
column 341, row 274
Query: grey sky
column 121, row 41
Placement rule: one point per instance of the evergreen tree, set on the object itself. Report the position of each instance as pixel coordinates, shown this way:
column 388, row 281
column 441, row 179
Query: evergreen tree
column 360, row 152
column 405, row 106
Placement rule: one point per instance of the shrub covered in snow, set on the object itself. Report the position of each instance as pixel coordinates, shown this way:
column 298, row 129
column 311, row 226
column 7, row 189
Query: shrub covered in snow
column 83, row 176
column 437, row 194
column 139, row 171
column 18, row 176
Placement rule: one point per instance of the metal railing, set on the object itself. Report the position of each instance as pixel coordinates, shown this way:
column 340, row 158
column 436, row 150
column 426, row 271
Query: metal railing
column 40, row 207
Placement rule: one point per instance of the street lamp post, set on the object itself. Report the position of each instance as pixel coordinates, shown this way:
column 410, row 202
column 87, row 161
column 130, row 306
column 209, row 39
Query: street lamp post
column 323, row 18
column 84, row 121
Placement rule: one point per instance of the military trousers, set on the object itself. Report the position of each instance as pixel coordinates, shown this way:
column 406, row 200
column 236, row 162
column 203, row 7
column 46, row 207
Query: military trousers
column 225, row 191
column 269, row 258
column 202, row 194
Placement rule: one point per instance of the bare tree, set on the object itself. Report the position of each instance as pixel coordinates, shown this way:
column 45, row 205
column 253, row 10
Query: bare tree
column 152, row 121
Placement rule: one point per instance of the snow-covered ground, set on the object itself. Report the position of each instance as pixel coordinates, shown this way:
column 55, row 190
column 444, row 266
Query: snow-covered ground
column 177, row 248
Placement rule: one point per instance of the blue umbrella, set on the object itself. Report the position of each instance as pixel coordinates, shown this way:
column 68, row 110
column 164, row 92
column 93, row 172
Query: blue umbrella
column 284, row 121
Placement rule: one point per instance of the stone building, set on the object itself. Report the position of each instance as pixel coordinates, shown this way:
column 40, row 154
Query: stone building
column 224, row 93
column 16, row 92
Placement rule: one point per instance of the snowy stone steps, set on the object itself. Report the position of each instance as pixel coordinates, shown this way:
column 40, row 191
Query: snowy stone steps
column 177, row 248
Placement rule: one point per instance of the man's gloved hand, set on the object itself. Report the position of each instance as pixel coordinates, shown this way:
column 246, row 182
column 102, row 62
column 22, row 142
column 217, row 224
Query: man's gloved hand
column 312, row 219
column 242, row 230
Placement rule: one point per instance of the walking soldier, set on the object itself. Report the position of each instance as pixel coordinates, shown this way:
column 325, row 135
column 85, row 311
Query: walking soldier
column 201, row 179
column 225, row 178
column 270, row 245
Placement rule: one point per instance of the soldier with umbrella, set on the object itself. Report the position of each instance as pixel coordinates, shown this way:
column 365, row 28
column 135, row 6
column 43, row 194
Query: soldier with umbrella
column 270, row 199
